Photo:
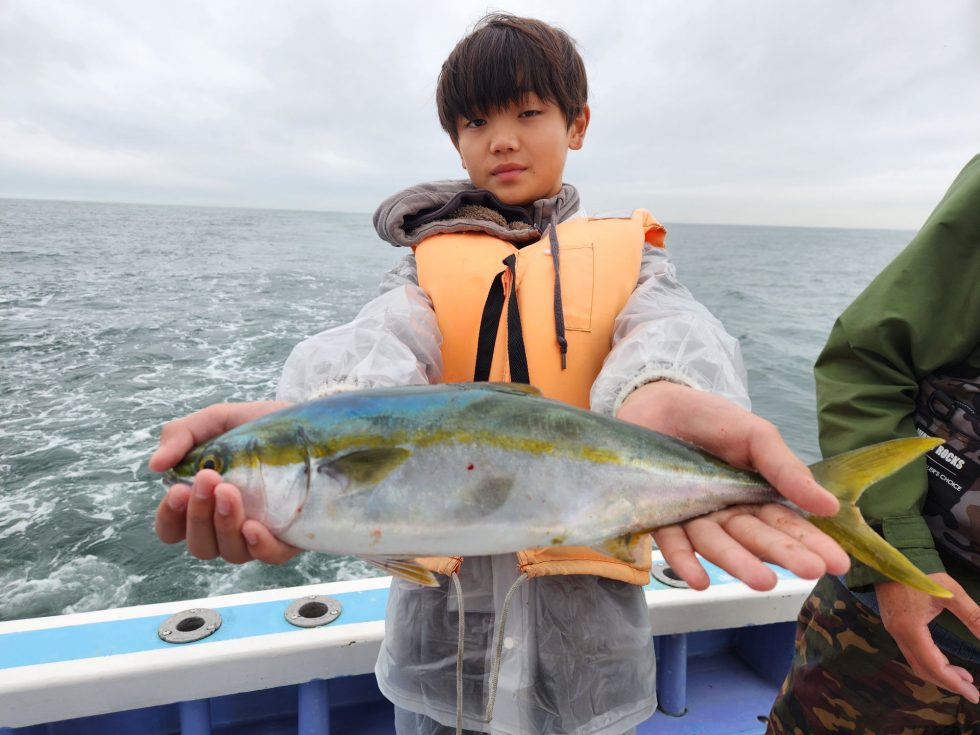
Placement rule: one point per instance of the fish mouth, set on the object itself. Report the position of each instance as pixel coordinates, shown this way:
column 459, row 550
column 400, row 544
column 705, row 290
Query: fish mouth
column 171, row 478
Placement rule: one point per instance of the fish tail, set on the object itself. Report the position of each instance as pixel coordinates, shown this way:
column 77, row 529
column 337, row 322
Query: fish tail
column 847, row 476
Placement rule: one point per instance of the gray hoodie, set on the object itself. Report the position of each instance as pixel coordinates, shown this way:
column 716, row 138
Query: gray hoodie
column 449, row 206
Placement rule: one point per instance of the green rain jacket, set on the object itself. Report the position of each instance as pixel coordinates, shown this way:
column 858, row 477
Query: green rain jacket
column 921, row 313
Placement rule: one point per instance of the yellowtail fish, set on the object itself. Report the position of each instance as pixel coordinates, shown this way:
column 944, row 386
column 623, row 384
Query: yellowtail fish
column 480, row 469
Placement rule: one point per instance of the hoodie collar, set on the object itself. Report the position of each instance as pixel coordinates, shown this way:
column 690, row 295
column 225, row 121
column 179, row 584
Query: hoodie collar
column 408, row 217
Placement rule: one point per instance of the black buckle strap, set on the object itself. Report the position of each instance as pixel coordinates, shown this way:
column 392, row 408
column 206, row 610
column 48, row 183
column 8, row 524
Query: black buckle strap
column 489, row 323
column 515, row 335
column 944, row 407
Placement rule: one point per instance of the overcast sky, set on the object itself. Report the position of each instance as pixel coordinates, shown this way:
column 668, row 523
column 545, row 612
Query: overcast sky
column 830, row 112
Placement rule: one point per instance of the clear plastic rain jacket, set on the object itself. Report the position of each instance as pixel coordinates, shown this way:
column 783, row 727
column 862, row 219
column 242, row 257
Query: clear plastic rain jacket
column 576, row 653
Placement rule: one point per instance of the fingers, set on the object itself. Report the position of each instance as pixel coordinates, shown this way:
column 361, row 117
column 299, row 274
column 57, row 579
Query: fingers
column 962, row 605
column 679, row 555
column 229, row 515
column 265, row 547
column 210, row 515
column 171, row 518
column 202, row 540
column 929, row 663
column 713, row 541
column 178, row 437
column 780, row 519
column 240, row 540
column 906, row 614
column 732, row 433
column 740, row 539
column 786, row 472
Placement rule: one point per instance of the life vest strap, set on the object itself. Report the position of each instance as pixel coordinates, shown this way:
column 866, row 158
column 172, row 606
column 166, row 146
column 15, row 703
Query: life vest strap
column 516, row 355
column 489, row 323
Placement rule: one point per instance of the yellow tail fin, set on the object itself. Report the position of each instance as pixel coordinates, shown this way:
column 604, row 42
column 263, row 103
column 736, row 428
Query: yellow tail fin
column 846, row 476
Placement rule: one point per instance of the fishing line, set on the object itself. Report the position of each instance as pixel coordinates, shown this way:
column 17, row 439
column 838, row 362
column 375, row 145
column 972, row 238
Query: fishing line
column 498, row 649
column 459, row 655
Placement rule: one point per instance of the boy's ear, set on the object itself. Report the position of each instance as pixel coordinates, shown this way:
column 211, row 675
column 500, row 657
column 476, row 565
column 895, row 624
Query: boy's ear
column 576, row 131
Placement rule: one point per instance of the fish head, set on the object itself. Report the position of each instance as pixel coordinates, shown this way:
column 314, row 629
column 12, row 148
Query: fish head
column 207, row 456
column 271, row 469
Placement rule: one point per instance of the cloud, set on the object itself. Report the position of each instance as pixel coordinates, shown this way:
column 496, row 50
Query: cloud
column 753, row 111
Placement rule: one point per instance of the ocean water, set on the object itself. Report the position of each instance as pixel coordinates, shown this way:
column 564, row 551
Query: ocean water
column 115, row 318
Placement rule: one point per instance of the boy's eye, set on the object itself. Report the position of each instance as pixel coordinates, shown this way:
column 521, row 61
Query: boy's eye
column 476, row 123
column 530, row 113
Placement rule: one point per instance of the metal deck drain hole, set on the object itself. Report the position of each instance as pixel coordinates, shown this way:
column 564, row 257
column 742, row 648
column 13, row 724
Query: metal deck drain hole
column 189, row 625
column 665, row 575
column 313, row 611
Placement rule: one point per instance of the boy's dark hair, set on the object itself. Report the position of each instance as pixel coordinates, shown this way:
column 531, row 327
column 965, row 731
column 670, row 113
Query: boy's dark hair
column 503, row 60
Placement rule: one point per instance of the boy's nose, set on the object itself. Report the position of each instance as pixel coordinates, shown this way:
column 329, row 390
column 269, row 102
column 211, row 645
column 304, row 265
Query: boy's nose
column 503, row 140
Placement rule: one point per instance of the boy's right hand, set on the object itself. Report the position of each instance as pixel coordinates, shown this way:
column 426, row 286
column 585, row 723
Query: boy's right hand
column 210, row 514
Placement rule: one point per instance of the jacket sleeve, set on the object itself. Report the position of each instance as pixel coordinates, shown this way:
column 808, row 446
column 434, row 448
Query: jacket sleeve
column 920, row 313
column 394, row 340
column 663, row 333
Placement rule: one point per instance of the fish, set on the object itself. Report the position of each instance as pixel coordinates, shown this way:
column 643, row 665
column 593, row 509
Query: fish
column 476, row 469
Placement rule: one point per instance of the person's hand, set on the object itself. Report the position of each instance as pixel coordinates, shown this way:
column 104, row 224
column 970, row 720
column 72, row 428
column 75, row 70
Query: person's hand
column 210, row 514
column 740, row 538
column 906, row 614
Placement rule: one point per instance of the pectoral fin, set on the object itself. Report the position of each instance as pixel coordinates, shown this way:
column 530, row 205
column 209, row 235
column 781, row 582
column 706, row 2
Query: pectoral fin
column 407, row 569
column 364, row 467
column 625, row 548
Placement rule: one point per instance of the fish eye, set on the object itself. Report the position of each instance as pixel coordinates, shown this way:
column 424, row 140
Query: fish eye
column 210, row 461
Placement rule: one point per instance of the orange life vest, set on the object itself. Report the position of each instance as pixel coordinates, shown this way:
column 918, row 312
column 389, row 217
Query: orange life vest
column 599, row 265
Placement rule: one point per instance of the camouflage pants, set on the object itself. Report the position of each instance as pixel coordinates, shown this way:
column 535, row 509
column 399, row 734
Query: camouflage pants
column 848, row 676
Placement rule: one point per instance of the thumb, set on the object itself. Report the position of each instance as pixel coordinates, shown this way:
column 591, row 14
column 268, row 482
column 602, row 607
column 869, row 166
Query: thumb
column 963, row 606
column 175, row 441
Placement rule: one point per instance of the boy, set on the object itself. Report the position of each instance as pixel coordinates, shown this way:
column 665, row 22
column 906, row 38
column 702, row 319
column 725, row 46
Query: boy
column 507, row 280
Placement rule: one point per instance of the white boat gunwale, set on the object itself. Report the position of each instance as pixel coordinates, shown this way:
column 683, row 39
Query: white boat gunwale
column 255, row 648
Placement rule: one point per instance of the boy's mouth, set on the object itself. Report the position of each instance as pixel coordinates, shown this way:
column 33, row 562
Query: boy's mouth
column 507, row 171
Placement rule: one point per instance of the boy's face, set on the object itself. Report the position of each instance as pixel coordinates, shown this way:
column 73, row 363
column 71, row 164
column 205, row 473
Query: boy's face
column 518, row 153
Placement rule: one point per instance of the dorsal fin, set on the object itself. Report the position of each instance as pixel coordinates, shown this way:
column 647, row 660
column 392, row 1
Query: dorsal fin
column 520, row 389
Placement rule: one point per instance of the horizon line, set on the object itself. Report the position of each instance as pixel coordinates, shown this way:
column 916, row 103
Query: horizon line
column 369, row 213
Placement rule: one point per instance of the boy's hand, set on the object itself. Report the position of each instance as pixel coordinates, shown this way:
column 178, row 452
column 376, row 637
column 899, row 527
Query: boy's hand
column 210, row 515
column 739, row 539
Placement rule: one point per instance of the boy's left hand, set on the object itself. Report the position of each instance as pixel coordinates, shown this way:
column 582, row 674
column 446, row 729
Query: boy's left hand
column 209, row 514
column 740, row 538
